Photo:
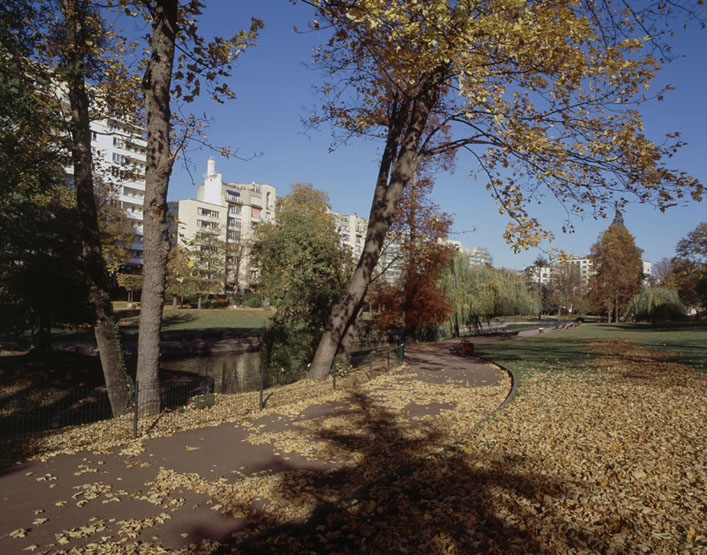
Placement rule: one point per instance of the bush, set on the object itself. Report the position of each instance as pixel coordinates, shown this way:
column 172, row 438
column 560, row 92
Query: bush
column 286, row 353
column 204, row 401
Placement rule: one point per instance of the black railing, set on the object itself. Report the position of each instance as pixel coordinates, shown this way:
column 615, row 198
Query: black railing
column 83, row 406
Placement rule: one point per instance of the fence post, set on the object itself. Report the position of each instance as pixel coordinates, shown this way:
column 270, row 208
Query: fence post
column 262, row 384
column 370, row 365
column 401, row 353
column 136, row 408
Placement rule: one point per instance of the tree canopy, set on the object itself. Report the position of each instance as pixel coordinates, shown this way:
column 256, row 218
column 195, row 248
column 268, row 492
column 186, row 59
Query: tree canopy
column 481, row 293
column 688, row 269
column 303, row 271
column 416, row 300
column 618, row 270
column 540, row 96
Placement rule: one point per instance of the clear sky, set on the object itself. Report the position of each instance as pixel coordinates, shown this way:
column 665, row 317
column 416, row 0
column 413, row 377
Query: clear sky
column 274, row 89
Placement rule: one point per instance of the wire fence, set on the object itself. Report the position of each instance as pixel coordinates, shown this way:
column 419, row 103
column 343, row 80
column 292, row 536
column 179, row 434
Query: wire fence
column 29, row 414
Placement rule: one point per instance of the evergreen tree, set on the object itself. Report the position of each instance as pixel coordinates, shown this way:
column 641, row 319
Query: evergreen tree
column 618, row 270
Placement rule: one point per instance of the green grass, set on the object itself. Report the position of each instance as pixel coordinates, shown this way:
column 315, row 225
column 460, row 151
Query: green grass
column 180, row 323
column 687, row 343
column 183, row 323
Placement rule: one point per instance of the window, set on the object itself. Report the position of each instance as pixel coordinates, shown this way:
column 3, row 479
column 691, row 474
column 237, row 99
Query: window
column 256, row 212
column 233, row 235
column 235, row 210
column 119, row 158
column 206, row 225
column 234, row 223
column 255, row 188
column 233, row 196
column 206, row 212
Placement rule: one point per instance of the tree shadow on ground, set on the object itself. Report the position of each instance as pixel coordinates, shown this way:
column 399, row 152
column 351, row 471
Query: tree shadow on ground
column 397, row 497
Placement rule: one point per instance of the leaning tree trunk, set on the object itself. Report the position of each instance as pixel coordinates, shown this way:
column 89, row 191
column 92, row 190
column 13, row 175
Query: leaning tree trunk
column 94, row 268
column 397, row 167
column 156, row 85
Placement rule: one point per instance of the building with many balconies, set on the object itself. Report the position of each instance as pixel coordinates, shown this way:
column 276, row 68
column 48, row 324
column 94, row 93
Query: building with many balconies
column 231, row 211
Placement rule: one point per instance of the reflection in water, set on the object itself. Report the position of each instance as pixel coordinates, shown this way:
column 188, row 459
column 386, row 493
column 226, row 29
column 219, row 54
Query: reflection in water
column 231, row 372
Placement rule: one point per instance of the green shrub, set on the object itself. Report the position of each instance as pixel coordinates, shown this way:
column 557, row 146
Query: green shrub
column 204, row 401
column 286, row 353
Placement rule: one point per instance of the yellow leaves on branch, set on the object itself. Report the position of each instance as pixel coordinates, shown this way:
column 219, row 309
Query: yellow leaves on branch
column 544, row 86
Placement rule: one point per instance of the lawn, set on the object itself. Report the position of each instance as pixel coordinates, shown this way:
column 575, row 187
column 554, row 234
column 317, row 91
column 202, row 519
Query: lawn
column 183, row 323
column 682, row 342
column 180, row 323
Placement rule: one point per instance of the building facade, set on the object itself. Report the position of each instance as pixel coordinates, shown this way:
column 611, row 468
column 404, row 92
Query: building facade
column 231, row 211
column 119, row 151
column 120, row 154
column 478, row 256
column 352, row 232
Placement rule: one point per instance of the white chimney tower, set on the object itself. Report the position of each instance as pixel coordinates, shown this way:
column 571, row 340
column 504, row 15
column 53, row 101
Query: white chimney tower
column 212, row 184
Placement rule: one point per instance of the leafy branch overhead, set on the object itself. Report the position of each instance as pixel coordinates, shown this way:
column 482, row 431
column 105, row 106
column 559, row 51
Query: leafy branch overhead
column 541, row 97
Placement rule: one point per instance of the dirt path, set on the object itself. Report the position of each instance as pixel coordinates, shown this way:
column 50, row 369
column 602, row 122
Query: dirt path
column 227, row 483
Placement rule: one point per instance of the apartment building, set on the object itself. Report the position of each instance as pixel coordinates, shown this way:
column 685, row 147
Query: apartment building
column 119, row 149
column 352, row 231
column 478, row 256
column 230, row 210
column 543, row 274
column 120, row 154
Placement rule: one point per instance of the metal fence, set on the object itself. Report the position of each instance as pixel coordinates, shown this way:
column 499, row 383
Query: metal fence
column 81, row 406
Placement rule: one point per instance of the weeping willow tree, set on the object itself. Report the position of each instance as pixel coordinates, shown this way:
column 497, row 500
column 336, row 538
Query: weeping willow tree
column 655, row 304
column 481, row 293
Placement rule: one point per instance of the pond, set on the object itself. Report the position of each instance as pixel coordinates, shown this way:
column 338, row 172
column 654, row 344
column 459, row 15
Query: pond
column 232, row 372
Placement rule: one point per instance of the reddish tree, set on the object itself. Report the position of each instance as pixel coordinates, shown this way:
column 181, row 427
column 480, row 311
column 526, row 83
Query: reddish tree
column 416, row 301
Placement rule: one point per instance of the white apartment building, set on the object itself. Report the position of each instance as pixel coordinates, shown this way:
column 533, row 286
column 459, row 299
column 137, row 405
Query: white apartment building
column 120, row 152
column 478, row 256
column 352, row 231
column 232, row 210
column 586, row 270
column 543, row 274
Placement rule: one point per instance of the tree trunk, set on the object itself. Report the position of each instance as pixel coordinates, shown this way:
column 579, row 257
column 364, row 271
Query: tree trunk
column 397, row 166
column 94, row 267
column 616, row 309
column 156, row 85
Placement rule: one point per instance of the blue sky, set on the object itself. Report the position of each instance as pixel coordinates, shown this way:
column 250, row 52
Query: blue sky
column 274, row 91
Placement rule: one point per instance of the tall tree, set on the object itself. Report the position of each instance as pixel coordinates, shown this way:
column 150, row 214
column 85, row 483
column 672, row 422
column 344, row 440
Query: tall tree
column 82, row 27
column 618, row 270
column 567, row 288
column 173, row 22
column 537, row 92
column 303, row 271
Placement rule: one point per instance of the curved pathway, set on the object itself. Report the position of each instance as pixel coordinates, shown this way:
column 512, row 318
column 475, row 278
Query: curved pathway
column 229, row 482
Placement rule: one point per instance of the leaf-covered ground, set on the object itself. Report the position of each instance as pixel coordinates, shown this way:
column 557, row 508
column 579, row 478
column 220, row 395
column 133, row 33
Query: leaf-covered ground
column 608, row 457
column 602, row 450
column 186, row 486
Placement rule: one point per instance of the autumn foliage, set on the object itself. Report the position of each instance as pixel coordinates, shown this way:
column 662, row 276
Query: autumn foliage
column 416, row 301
